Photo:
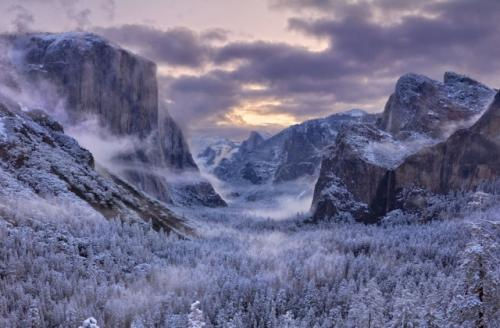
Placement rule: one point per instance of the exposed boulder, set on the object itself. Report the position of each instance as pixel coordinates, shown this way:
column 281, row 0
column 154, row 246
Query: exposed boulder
column 99, row 80
column 38, row 161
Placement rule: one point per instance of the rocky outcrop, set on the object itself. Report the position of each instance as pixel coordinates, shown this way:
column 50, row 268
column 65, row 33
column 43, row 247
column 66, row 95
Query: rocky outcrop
column 216, row 150
column 254, row 140
column 436, row 109
column 100, row 80
column 39, row 161
column 467, row 159
column 292, row 154
column 94, row 77
column 369, row 172
column 356, row 171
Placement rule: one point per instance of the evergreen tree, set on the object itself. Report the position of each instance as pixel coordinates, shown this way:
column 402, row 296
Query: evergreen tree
column 195, row 317
column 477, row 301
column 89, row 323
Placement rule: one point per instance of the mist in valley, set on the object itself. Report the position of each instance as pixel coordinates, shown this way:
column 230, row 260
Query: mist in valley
column 122, row 205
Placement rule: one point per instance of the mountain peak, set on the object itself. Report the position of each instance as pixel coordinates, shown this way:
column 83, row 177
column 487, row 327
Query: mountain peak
column 253, row 140
column 255, row 135
column 355, row 112
column 452, row 77
column 420, row 104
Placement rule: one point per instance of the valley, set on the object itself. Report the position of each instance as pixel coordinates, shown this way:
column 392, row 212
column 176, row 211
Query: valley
column 109, row 214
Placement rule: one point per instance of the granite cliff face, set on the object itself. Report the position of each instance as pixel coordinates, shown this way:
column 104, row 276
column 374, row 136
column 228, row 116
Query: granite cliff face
column 467, row 159
column 99, row 80
column 38, row 162
column 354, row 173
column 432, row 108
column 94, row 77
column 369, row 170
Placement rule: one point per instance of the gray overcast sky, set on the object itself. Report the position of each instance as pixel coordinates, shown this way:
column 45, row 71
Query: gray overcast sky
column 230, row 66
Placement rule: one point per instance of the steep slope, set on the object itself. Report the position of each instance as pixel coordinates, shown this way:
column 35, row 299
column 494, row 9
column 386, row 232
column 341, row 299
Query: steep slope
column 467, row 159
column 101, row 81
column 216, row 150
column 287, row 156
column 436, row 109
column 364, row 173
column 38, row 161
column 354, row 172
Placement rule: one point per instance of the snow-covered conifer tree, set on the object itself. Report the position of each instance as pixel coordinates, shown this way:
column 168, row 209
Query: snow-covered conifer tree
column 89, row 323
column 195, row 317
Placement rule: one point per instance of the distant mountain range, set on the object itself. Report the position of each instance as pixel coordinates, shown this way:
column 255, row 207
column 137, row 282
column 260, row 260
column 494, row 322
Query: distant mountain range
column 291, row 154
column 365, row 165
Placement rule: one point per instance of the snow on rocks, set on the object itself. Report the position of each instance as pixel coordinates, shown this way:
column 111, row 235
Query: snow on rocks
column 3, row 130
column 437, row 109
column 38, row 161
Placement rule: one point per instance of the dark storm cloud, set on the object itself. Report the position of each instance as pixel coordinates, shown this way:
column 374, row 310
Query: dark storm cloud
column 343, row 6
column 175, row 47
column 371, row 44
column 270, row 62
column 200, row 98
column 216, row 34
column 414, row 36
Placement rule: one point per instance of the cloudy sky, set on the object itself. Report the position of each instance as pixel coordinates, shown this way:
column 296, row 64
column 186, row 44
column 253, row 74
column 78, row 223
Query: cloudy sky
column 229, row 66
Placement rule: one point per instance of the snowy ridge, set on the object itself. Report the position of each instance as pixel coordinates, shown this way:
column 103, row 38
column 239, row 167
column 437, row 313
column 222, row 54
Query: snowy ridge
column 289, row 155
column 420, row 104
column 3, row 131
column 427, row 142
column 214, row 151
column 38, row 162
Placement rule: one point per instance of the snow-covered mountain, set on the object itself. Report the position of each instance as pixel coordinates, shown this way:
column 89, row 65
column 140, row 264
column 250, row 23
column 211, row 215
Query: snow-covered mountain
column 292, row 154
column 82, row 78
column 433, row 108
column 373, row 169
column 41, row 166
column 215, row 150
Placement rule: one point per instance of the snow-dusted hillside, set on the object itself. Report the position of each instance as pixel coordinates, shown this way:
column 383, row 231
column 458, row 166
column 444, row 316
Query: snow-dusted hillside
column 58, row 269
column 81, row 247
column 39, row 164
column 105, row 94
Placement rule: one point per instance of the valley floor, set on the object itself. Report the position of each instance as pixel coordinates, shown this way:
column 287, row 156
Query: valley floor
column 57, row 269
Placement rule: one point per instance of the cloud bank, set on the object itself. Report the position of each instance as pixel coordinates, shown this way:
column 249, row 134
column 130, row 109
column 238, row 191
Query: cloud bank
column 217, row 82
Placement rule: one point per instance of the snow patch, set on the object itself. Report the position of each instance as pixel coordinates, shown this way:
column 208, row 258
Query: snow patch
column 390, row 152
column 3, row 130
column 354, row 113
